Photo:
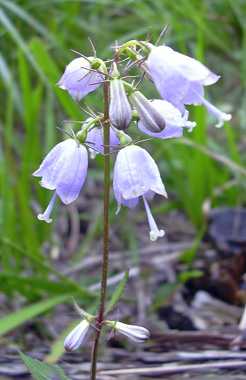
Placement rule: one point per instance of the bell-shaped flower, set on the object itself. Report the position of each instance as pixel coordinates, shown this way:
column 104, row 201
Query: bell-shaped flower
column 75, row 338
column 175, row 122
column 95, row 138
column 150, row 117
column 136, row 174
column 137, row 333
column 144, row 67
column 78, row 79
column 120, row 113
column 180, row 79
column 64, row 170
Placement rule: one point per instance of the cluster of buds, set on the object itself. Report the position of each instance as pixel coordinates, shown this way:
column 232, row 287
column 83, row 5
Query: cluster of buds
column 179, row 80
column 75, row 338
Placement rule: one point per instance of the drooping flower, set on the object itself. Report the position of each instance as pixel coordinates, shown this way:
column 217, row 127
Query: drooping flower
column 180, row 80
column 136, row 174
column 95, row 138
column 137, row 333
column 175, row 122
column 120, row 113
column 76, row 336
column 64, row 169
column 150, row 117
column 144, row 67
column 78, row 79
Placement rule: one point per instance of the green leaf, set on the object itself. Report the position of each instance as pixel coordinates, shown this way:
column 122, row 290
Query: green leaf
column 37, row 260
column 57, row 347
column 118, row 292
column 189, row 254
column 43, row 371
column 16, row 319
column 13, row 282
column 164, row 293
column 20, row 41
column 187, row 275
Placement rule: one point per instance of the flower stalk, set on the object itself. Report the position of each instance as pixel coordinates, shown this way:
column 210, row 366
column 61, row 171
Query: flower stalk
column 105, row 231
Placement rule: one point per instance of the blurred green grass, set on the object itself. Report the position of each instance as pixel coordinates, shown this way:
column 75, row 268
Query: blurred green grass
column 35, row 42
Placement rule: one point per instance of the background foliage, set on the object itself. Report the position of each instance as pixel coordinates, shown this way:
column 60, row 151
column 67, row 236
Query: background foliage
column 205, row 168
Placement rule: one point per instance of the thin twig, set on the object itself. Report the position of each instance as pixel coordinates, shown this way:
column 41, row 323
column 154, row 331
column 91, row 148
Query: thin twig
column 165, row 369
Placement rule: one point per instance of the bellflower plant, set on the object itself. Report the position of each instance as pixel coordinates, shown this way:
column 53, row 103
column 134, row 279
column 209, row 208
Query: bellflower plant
column 180, row 80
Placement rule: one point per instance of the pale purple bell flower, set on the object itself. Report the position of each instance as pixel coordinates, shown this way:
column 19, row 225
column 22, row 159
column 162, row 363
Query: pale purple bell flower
column 175, row 121
column 95, row 138
column 180, row 80
column 78, row 79
column 136, row 174
column 64, row 170
column 75, row 338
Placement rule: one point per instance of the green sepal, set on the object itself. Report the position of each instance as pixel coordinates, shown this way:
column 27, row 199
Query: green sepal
column 82, row 312
column 95, row 64
column 81, row 136
column 124, row 138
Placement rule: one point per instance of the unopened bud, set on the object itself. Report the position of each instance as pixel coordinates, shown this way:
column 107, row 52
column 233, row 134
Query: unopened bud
column 137, row 333
column 120, row 113
column 151, row 118
column 76, row 336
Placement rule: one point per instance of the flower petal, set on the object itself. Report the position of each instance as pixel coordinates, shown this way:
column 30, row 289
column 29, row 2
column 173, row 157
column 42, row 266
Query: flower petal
column 135, row 173
column 72, row 175
column 78, row 79
column 75, row 338
column 64, row 169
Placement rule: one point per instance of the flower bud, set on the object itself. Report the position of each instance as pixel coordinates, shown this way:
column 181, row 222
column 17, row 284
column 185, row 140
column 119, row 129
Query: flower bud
column 120, row 113
column 76, row 336
column 150, row 117
column 137, row 333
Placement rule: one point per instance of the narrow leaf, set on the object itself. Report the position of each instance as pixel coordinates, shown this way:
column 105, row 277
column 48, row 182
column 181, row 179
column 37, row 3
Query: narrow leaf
column 16, row 319
column 118, row 292
column 43, row 371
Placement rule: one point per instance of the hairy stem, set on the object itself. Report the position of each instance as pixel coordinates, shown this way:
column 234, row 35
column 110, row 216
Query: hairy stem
column 105, row 231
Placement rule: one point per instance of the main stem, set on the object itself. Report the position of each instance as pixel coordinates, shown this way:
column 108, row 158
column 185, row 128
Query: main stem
column 105, row 231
